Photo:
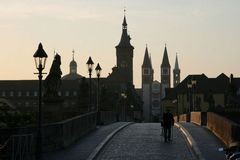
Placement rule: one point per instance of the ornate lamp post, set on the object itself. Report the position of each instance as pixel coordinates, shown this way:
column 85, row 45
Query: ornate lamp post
column 90, row 67
column 98, row 70
column 40, row 58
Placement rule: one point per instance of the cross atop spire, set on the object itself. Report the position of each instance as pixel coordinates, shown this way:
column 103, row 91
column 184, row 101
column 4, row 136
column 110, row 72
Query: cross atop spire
column 73, row 54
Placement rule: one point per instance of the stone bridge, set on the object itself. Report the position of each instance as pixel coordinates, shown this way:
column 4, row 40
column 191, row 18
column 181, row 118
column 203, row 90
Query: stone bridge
column 195, row 136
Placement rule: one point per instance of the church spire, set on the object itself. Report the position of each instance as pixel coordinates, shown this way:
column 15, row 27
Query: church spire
column 125, row 38
column 176, row 63
column 176, row 73
column 146, row 60
column 165, row 61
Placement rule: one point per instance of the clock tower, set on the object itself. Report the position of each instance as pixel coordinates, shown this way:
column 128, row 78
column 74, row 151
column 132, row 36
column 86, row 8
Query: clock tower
column 124, row 51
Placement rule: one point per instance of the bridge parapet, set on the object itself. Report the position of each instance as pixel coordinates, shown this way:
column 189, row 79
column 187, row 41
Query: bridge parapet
column 223, row 128
column 57, row 135
column 199, row 118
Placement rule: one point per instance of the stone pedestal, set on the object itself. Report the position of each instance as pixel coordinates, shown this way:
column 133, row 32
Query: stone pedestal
column 53, row 110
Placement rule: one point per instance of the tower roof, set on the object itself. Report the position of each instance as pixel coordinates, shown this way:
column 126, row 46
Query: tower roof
column 146, row 60
column 124, row 21
column 176, row 64
column 165, row 61
column 73, row 63
column 125, row 38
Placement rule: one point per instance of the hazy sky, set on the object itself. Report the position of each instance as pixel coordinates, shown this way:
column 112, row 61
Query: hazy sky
column 205, row 33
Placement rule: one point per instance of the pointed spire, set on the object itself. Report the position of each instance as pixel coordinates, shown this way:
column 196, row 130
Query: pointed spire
column 176, row 63
column 124, row 19
column 165, row 61
column 146, row 60
column 124, row 22
column 125, row 38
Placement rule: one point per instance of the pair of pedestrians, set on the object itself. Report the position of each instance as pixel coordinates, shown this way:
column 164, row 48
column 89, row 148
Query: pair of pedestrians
column 167, row 124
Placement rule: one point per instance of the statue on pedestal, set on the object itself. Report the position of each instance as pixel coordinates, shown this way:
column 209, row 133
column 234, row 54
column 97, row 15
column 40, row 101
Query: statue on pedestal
column 52, row 82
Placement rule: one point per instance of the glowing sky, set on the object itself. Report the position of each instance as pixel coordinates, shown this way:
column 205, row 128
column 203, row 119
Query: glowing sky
column 205, row 33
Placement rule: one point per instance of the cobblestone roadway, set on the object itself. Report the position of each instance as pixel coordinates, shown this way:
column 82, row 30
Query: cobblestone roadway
column 142, row 141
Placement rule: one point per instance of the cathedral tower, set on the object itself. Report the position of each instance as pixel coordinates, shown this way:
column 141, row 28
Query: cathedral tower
column 147, row 79
column 176, row 73
column 165, row 73
column 124, row 51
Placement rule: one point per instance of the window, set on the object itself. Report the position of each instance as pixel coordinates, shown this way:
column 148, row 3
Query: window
column 124, row 64
column 3, row 93
column 66, row 93
column 146, row 71
column 165, row 71
column 59, row 93
column 27, row 94
column 11, row 93
column 19, row 94
column 27, row 104
column 35, row 93
column 75, row 93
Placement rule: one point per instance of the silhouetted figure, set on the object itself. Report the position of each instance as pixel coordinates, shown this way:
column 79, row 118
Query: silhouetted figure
column 168, row 122
column 53, row 80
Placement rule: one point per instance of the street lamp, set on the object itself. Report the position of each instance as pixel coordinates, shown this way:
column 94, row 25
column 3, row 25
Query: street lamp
column 90, row 67
column 132, row 110
column 98, row 70
column 194, row 82
column 189, row 86
column 40, row 58
column 124, row 96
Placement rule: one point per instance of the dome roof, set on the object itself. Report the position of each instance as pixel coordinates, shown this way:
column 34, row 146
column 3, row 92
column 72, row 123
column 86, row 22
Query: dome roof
column 71, row 77
column 73, row 63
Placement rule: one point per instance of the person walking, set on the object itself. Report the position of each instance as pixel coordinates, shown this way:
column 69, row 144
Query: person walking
column 168, row 122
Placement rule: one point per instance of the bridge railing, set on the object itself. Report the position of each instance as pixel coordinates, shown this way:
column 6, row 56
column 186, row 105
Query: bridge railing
column 226, row 130
column 223, row 128
column 61, row 134
column 56, row 135
column 107, row 117
column 199, row 118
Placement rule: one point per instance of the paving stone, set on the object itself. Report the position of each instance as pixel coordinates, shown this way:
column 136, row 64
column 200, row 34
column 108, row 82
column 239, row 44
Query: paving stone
column 142, row 141
column 206, row 141
column 83, row 148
